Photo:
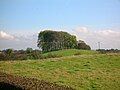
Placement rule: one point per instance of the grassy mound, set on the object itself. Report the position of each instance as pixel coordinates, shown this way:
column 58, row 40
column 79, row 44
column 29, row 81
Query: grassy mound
column 21, row 83
column 69, row 52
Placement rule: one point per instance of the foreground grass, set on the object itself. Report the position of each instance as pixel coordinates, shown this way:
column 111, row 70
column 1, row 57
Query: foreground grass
column 83, row 72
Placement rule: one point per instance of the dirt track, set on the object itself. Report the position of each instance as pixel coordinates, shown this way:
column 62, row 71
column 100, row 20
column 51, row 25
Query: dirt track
column 23, row 83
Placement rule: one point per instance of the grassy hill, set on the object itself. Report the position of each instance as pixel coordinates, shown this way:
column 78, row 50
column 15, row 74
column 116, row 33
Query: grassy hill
column 69, row 52
column 87, row 71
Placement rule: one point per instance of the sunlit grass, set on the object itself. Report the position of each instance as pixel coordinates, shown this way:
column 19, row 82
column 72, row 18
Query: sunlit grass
column 69, row 52
column 83, row 72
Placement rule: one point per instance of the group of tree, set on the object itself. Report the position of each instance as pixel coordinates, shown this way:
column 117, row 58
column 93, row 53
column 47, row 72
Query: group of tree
column 56, row 40
column 103, row 51
column 29, row 53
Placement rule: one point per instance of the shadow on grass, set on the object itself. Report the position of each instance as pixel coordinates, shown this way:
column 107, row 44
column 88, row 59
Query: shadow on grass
column 7, row 86
column 11, row 82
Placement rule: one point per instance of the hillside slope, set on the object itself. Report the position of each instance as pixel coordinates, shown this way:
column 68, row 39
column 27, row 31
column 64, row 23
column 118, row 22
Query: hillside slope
column 69, row 52
column 82, row 72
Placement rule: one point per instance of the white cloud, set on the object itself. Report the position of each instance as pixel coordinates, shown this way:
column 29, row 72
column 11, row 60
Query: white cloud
column 108, row 38
column 5, row 36
column 82, row 30
column 20, row 41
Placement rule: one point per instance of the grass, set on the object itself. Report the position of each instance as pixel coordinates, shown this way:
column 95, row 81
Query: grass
column 82, row 72
column 69, row 52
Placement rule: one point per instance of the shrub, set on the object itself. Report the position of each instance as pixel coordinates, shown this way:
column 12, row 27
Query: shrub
column 2, row 56
column 19, row 57
column 36, row 55
column 102, row 51
column 82, row 45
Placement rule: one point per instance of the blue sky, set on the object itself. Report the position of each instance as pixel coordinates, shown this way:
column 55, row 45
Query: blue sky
column 34, row 15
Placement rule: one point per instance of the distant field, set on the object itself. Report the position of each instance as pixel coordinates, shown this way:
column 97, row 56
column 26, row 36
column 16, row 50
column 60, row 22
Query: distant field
column 82, row 72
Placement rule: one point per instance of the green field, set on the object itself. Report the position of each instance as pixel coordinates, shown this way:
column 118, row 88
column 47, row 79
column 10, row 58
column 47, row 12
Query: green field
column 69, row 52
column 87, row 71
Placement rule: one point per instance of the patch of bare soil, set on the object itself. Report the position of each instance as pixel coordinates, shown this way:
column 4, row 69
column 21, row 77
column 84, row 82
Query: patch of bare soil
column 11, row 82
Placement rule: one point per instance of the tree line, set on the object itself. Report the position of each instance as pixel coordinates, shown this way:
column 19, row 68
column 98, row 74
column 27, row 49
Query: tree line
column 47, row 41
column 103, row 51
column 29, row 53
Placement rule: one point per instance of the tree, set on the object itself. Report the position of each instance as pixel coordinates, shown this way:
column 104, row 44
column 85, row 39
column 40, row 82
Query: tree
column 9, row 51
column 29, row 50
column 55, row 40
column 82, row 45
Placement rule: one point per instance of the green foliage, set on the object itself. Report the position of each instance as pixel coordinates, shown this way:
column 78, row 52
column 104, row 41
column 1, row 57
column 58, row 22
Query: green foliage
column 6, row 54
column 19, row 57
column 9, row 51
column 37, row 54
column 29, row 53
column 83, row 45
column 3, row 56
column 29, row 50
column 55, row 40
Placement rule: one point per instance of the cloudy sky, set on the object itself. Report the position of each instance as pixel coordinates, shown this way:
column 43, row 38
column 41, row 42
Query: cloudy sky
column 90, row 20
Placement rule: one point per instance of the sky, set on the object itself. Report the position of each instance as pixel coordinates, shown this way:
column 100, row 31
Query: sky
column 92, row 21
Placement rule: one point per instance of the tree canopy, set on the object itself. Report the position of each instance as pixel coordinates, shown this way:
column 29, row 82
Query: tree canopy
column 55, row 40
column 82, row 45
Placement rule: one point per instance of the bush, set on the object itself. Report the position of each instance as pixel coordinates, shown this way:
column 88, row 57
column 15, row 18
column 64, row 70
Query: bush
column 82, row 45
column 37, row 55
column 102, row 51
column 19, row 57
column 2, row 56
